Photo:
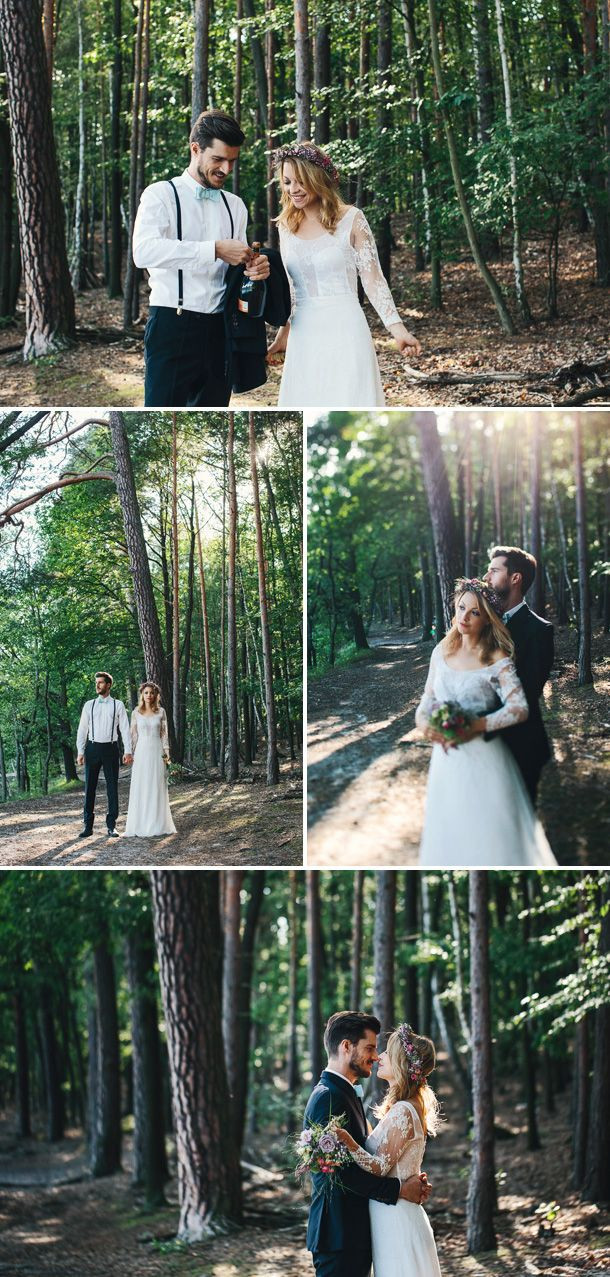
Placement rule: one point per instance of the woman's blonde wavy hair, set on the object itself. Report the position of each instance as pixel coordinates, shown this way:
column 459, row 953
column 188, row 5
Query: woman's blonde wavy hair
column 316, row 181
column 403, row 1088
column 494, row 636
column 156, row 689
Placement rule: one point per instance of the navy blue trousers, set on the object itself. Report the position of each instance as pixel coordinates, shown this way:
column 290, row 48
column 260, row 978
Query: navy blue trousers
column 185, row 360
column 98, row 757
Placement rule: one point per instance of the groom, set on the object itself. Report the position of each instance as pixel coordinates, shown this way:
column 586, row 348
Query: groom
column 338, row 1232
column 511, row 572
column 187, row 234
column 97, row 746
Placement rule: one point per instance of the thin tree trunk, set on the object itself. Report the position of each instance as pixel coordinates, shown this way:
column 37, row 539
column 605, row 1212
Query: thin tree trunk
column 302, row 70
column 481, row 1187
column 208, row 658
column 273, row 770
column 436, row 483
column 22, row 1067
column 292, row 1070
column 201, row 55
column 356, row 947
column 105, row 1151
column 526, row 313
column 231, row 607
column 116, row 230
column 596, row 1186
column 585, row 674
column 150, row 1165
column 314, row 972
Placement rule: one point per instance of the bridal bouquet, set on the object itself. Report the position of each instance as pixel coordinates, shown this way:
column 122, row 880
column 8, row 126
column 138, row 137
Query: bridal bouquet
column 448, row 718
column 319, row 1152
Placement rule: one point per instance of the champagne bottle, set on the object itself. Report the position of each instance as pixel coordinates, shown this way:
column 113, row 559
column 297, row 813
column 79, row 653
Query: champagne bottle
column 253, row 292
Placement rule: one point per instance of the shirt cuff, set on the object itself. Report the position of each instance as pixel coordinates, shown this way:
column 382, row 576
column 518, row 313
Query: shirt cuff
column 206, row 252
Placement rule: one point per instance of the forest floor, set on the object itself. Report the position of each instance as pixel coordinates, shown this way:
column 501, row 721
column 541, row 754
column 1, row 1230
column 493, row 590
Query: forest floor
column 218, row 824
column 367, row 764
column 55, row 1221
column 105, row 367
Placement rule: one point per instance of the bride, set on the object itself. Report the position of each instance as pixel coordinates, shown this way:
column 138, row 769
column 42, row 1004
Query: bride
column 149, row 811
column 403, row 1241
column 325, row 245
column 478, row 811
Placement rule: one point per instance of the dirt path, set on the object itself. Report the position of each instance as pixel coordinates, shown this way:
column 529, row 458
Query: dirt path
column 57, row 1222
column 217, row 823
column 105, row 367
column 367, row 765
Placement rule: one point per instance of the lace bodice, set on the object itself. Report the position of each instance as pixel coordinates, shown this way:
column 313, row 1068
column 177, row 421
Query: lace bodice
column 396, row 1146
column 149, row 728
column 329, row 265
column 476, row 691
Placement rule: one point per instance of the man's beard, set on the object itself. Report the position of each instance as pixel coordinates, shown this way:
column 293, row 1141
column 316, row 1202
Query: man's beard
column 358, row 1068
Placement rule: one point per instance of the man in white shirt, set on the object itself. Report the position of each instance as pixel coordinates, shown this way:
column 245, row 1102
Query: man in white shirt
column 187, row 232
column 97, row 747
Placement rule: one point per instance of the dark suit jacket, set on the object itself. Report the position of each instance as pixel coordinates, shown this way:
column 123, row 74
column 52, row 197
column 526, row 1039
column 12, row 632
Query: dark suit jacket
column 246, row 338
column 534, row 656
column 340, row 1221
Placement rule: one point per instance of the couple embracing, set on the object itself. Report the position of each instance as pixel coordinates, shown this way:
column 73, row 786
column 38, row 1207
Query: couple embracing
column 190, row 235
column 480, row 708
column 375, row 1213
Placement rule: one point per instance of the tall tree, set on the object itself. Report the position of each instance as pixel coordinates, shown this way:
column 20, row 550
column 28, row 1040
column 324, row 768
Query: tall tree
column 189, row 946
column 585, row 675
column 481, row 1186
column 273, row 767
column 302, row 70
column 314, row 972
column 105, row 1099
column 49, row 300
column 231, row 609
column 440, row 505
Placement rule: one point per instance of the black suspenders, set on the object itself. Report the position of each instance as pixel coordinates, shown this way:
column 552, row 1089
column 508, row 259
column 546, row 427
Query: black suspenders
column 179, row 236
column 113, row 718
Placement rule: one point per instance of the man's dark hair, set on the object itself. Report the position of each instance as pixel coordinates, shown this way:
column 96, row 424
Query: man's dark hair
column 348, row 1024
column 517, row 561
column 216, row 124
column 103, row 674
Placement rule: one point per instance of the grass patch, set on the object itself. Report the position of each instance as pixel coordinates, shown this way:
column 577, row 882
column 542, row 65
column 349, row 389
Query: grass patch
column 348, row 655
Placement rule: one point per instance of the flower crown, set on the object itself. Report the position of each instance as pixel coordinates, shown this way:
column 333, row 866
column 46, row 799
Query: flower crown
column 301, row 151
column 475, row 586
column 415, row 1070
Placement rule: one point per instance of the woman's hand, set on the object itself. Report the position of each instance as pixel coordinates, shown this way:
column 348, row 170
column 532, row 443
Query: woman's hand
column 344, row 1137
column 476, row 728
column 278, row 346
column 407, row 344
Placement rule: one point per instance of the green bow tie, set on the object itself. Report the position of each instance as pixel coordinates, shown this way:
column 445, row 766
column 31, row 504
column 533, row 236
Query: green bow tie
column 206, row 193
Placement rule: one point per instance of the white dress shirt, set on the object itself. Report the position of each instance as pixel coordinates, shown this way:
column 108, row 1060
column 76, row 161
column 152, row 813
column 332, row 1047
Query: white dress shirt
column 157, row 248
column 96, row 723
column 507, row 615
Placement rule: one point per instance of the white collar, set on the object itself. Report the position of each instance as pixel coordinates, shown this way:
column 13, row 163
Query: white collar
column 514, row 609
column 338, row 1074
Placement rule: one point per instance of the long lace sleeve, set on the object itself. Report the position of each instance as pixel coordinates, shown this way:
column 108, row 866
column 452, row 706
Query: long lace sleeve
column 422, row 713
column 398, row 1131
column 514, row 707
column 369, row 270
column 134, row 730
column 164, row 733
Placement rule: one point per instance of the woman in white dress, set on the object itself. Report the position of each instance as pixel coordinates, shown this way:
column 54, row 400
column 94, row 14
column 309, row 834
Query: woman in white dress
column 478, row 811
column 325, row 245
column 402, row 1238
column 148, row 813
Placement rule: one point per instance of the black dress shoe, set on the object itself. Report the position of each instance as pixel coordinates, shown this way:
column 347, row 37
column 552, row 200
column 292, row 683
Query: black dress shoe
column 112, row 833
column 86, row 833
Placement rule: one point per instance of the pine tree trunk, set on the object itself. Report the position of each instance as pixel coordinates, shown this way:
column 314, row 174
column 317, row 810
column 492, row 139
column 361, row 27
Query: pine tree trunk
column 384, row 122
column 292, row 1071
column 384, row 949
column 175, row 587
column 272, row 205
column 596, row 1187
column 485, row 273
column 22, row 1068
column 244, row 1018
column 314, row 973
column 49, row 300
column 148, row 619
column 582, row 1100
column 52, row 1072
column 273, row 770
column 526, row 313
column 436, row 483
column 150, row 1164
column 302, row 71
column 189, row 947
column 585, row 674
column 116, row 229
column 105, row 1147
column 481, row 1187
column 411, row 889
column 231, row 973
column 77, row 257
column 201, row 56
column 322, row 81
column 356, row 968
column 231, row 607
column 208, row 657
column 3, row 778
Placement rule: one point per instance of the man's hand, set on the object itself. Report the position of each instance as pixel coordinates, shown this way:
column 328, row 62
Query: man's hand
column 80, row 760
column 259, row 268
column 127, row 759
column 234, row 252
column 415, row 1189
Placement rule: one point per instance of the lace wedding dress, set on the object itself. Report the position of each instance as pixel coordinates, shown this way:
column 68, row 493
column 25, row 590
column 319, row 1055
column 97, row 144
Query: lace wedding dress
column 478, row 811
column 149, row 811
column 330, row 358
column 403, row 1241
